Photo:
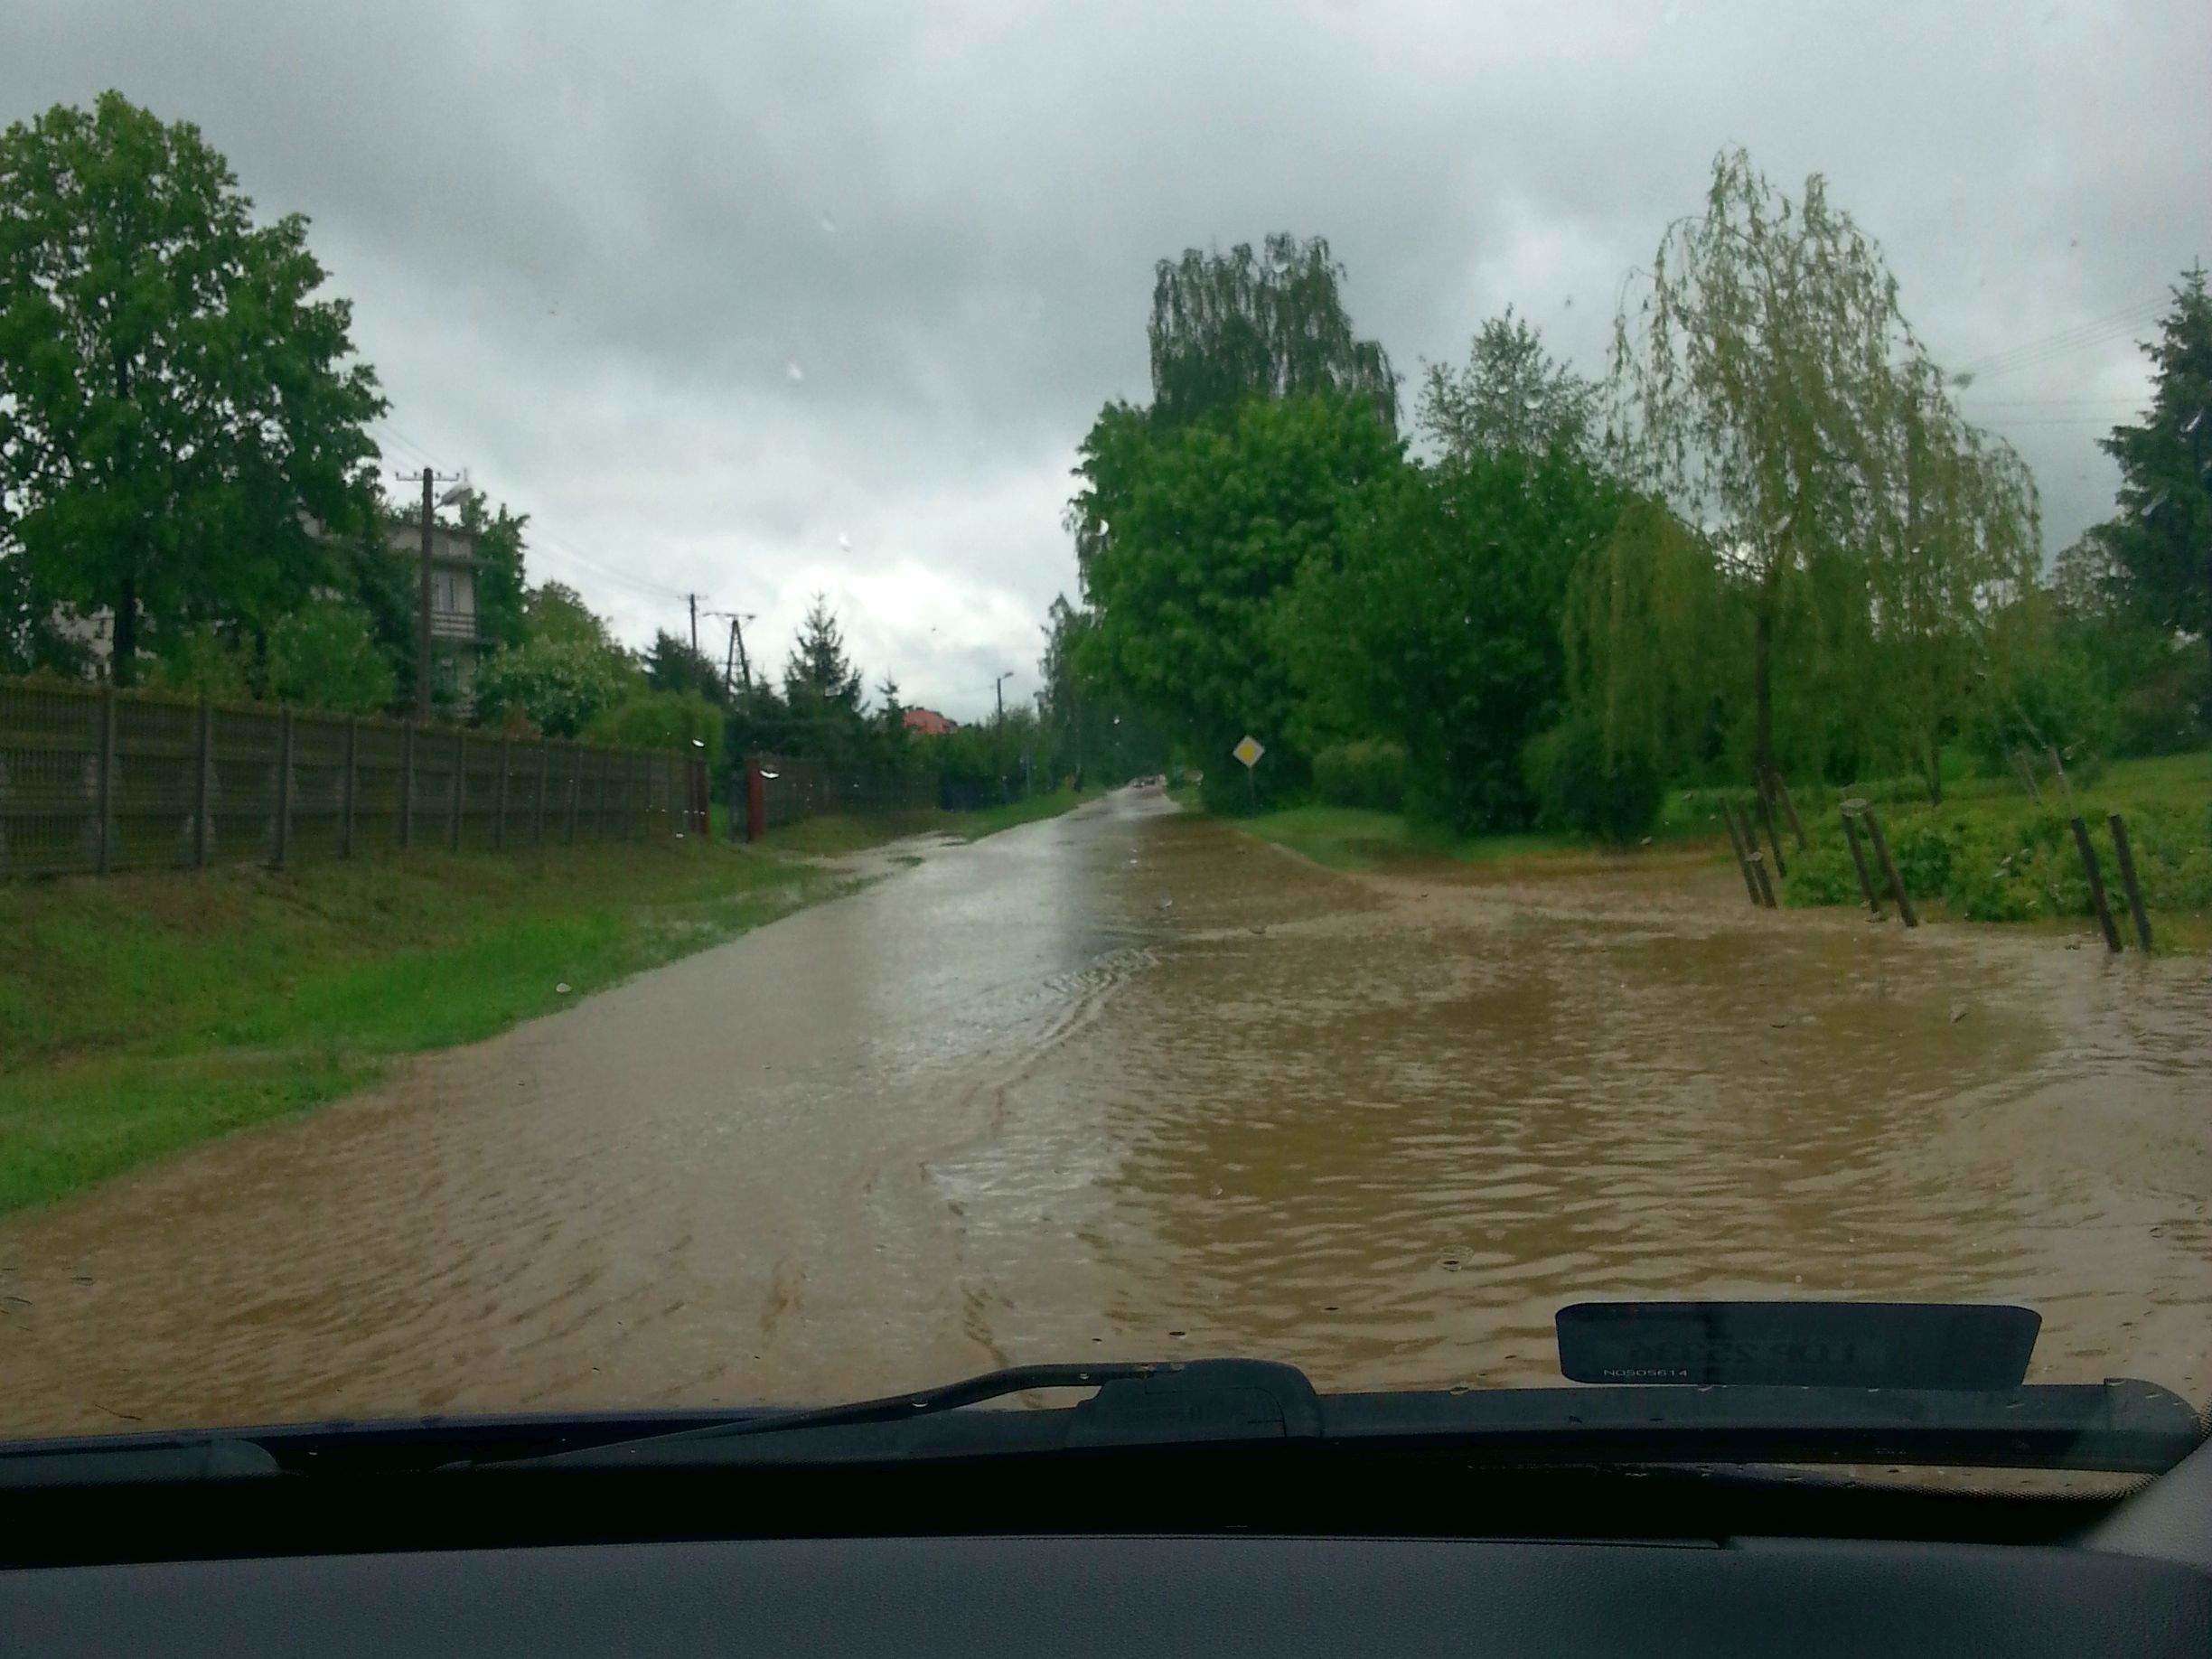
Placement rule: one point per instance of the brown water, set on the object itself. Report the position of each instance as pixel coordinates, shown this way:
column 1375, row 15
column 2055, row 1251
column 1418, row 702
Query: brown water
column 1127, row 1085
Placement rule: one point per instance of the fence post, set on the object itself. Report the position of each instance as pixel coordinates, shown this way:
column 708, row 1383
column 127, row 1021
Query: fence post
column 406, row 786
column 2126, row 855
column 282, row 837
column 544, row 781
column 673, row 820
column 599, row 796
column 576, row 786
column 1766, row 818
column 1789, row 808
column 1758, row 859
column 633, row 819
column 1858, row 853
column 460, row 783
column 2097, row 884
column 345, row 806
column 499, row 822
column 103, row 783
column 203, row 784
column 1890, row 870
column 1742, row 863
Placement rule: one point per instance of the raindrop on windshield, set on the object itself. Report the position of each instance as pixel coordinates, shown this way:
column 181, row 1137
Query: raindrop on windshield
column 792, row 371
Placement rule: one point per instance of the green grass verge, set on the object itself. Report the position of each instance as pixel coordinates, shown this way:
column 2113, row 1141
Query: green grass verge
column 144, row 1013
column 1358, row 838
column 1991, row 853
column 141, row 1014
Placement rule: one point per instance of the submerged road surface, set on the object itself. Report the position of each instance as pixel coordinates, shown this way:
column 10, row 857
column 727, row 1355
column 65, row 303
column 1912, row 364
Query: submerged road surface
column 1130, row 1084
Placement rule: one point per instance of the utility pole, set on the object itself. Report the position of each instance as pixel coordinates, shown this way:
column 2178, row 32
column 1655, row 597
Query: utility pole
column 694, row 599
column 735, row 665
column 422, row 605
column 999, row 691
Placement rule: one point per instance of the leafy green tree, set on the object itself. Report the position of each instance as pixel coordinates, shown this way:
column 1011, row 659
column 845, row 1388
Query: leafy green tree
column 558, row 685
column 1440, row 627
column 1511, row 395
column 1963, row 532
column 325, row 655
column 554, row 612
column 1199, row 532
column 565, row 673
column 2161, row 543
column 1758, row 395
column 173, row 399
column 1227, row 327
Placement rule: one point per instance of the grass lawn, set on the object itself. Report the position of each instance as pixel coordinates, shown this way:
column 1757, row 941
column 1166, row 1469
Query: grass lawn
column 145, row 1012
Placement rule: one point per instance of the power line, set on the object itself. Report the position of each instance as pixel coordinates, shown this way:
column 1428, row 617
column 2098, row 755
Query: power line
column 2081, row 337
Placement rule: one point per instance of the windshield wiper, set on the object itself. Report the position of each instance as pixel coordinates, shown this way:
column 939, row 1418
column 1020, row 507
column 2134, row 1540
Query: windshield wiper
column 1213, row 1401
column 2118, row 1425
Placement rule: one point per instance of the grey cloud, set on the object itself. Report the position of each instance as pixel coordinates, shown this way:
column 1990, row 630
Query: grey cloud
column 585, row 247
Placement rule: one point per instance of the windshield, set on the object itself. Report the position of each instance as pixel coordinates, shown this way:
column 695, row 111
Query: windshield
column 765, row 709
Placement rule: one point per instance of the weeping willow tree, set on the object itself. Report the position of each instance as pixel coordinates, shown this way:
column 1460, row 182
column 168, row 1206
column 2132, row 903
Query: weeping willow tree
column 1756, row 393
column 1228, row 327
column 1648, row 625
column 1960, row 539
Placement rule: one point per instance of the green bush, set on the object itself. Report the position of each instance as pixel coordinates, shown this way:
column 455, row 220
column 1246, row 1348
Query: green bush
column 1368, row 774
column 1579, row 786
column 682, row 720
column 2014, row 861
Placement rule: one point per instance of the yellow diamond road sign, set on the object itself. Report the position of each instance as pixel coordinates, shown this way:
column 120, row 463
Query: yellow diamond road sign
column 1248, row 752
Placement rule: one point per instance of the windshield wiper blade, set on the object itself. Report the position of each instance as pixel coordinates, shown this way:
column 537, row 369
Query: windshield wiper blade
column 1210, row 1400
column 2120, row 1425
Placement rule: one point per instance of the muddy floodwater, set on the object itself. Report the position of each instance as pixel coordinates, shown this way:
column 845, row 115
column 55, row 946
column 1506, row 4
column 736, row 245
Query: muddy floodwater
column 1130, row 1084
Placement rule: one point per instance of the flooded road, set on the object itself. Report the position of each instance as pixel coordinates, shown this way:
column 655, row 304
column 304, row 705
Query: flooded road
column 1130, row 1084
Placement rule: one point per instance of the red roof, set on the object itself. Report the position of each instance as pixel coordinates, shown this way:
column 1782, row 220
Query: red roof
column 929, row 722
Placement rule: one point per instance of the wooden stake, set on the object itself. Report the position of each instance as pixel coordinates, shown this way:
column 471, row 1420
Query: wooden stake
column 2126, row 856
column 1866, row 883
column 1889, row 869
column 1742, row 863
column 1789, row 809
column 2097, row 884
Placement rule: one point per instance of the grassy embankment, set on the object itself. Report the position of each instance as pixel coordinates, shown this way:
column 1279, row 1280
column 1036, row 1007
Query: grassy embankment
column 1990, row 853
column 145, row 1012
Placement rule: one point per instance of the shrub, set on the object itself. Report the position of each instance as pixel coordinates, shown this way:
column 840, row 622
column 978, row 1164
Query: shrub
column 325, row 655
column 1368, row 774
column 1579, row 786
column 662, row 720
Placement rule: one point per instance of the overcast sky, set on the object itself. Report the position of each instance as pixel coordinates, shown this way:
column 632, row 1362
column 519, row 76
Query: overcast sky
column 755, row 300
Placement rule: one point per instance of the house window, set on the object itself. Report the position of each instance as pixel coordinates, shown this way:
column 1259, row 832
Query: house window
column 442, row 590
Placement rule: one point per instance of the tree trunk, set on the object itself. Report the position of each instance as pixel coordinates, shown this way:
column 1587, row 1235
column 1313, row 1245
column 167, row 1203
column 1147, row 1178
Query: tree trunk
column 123, row 646
column 1762, row 685
column 1934, row 771
column 123, row 636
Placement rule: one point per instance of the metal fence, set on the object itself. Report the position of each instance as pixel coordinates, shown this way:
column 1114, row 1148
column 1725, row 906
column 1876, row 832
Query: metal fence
column 94, row 780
